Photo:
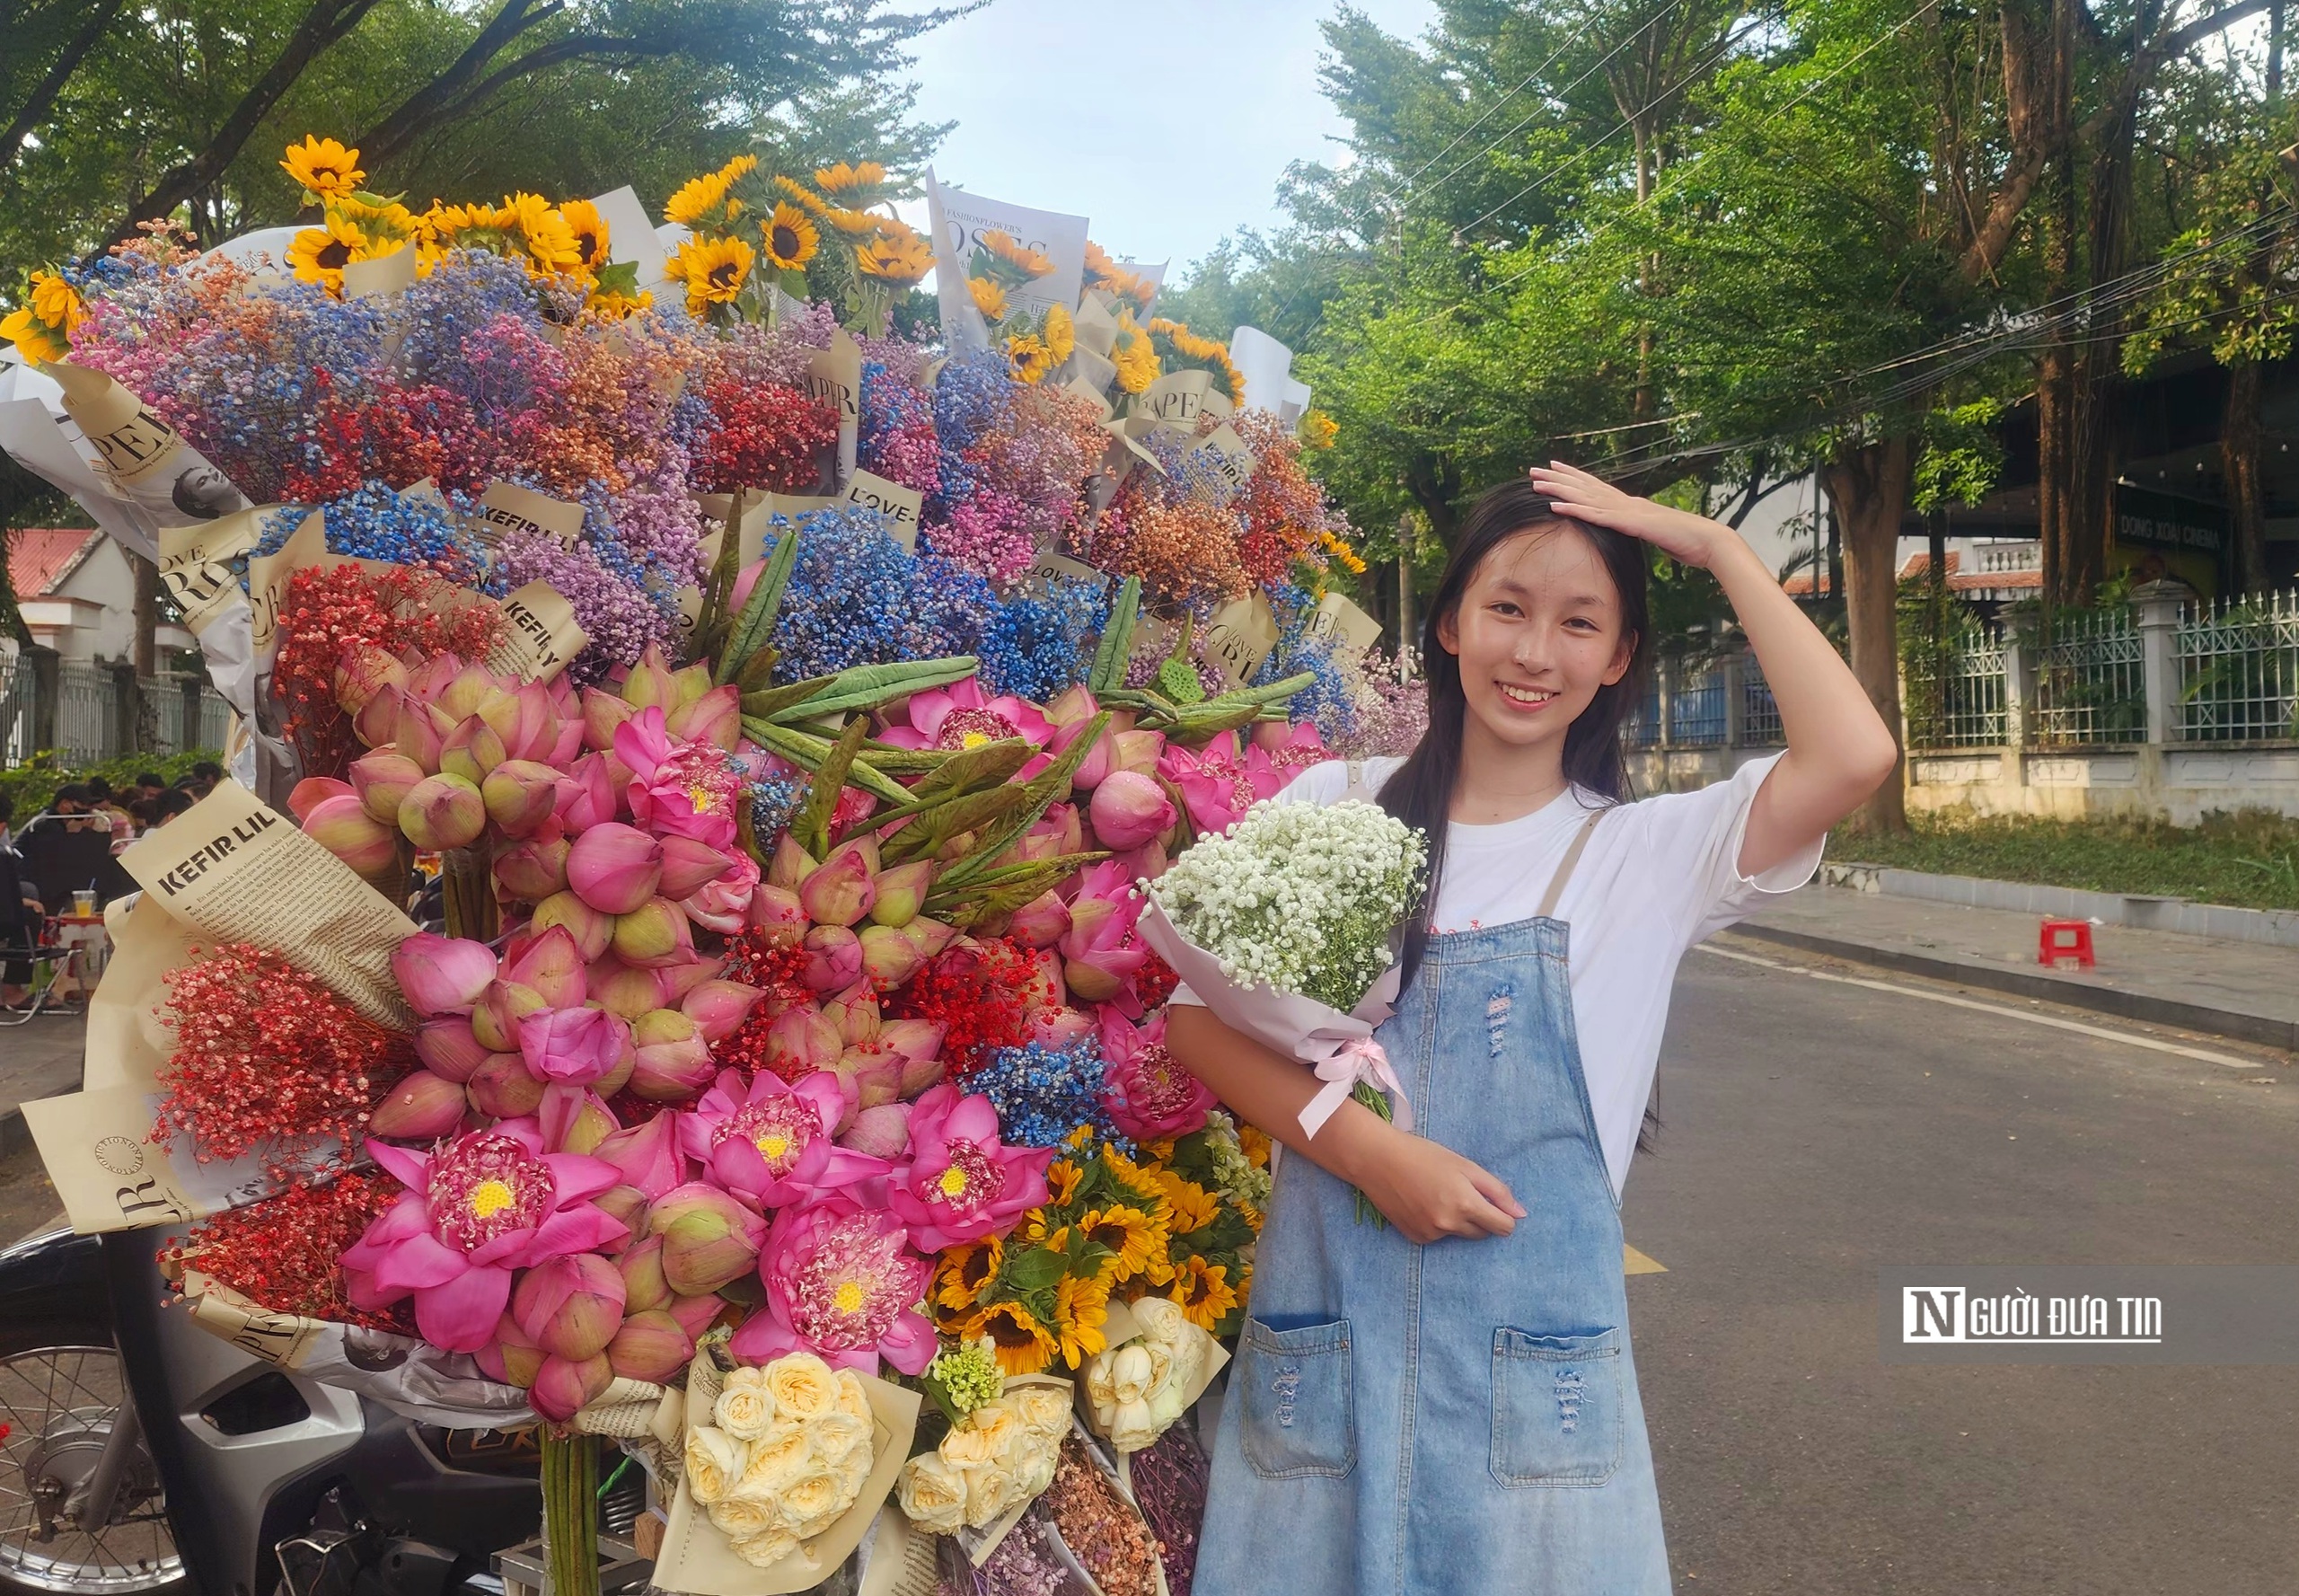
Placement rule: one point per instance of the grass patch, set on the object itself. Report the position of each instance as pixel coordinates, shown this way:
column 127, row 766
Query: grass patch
column 2249, row 859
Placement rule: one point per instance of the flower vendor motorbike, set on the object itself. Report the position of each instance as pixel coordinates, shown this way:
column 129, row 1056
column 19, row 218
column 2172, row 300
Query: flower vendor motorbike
column 143, row 1454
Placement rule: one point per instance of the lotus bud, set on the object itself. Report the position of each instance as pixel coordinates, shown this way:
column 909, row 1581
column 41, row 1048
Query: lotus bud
column 471, row 750
column 509, row 1358
column 501, row 1088
column 718, row 1008
column 563, row 1385
column 644, row 1289
column 1137, row 752
column 874, row 1074
column 647, row 1154
column 791, row 864
column 471, row 687
column 1062, row 1025
column 833, row 958
column 442, row 974
column 917, row 1043
column 603, row 711
column 678, row 980
column 1045, row 990
column 523, row 721
column 571, row 1305
column 406, row 726
column 1098, row 761
column 673, row 1060
column 1041, row 921
column 889, row 957
column 495, row 1021
column 588, row 1126
column 614, row 868
column 855, row 1013
column 590, row 797
column 625, row 990
column 624, row 1204
column 708, row 1238
column 839, row 891
column 443, row 812
column 1074, row 705
column 532, row 870
column 1129, row 809
column 715, row 717
column 696, row 1314
column 549, row 962
column 688, row 865
column 1147, row 862
column 382, row 778
column 650, row 684
column 591, row 929
column 366, row 674
column 881, row 1132
column 520, row 795
column 579, row 1046
column 342, row 826
column 654, row 935
column 651, row 1346
column 428, row 680
column 801, row 1039
column 447, row 1048
column 898, row 893
column 931, row 936
column 422, row 1106
column 777, row 912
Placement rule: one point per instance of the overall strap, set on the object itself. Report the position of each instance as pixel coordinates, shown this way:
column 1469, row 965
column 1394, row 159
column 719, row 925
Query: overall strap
column 1564, row 870
column 1357, row 791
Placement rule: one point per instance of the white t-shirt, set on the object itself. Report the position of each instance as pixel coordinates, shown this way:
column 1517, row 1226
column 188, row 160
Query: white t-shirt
column 1657, row 876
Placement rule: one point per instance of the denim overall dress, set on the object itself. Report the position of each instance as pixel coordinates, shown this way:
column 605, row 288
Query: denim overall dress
column 1459, row 1419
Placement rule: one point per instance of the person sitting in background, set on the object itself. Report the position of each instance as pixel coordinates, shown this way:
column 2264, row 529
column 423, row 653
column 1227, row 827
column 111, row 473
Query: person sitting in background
column 150, row 784
column 204, row 775
column 7, row 819
column 169, row 805
column 68, row 810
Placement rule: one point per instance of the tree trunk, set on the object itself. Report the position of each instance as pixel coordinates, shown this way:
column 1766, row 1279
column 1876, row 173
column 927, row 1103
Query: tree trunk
column 1868, row 486
column 2239, row 464
column 1434, row 482
column 33, row 113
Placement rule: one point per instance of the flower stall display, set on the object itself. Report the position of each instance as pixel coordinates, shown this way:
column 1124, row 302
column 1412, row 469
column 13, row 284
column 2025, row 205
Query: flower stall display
column 673, row 966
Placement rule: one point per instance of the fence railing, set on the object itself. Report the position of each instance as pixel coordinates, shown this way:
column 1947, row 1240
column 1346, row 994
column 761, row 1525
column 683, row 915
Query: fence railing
column 85, row 712
column 2089, row 684
column 1952, row 690
column 2239, row 669
column 1719, row 704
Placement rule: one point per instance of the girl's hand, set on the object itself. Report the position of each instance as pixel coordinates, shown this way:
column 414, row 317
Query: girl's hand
column 1677, row 534
column 1426, row 1189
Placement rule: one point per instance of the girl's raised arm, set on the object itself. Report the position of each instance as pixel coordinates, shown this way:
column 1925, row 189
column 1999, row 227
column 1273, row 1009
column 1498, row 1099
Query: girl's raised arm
column 1839, row 750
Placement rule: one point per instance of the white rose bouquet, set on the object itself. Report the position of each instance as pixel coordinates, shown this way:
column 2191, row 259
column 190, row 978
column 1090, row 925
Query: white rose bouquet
column 785, row 1455
column 998, row 1458
column 1137, row 1390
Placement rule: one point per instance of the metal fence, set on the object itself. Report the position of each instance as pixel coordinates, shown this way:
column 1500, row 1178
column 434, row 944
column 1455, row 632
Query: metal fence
column 1759, row 711
column 1954, row 693
column 2239, row 668
column 1643, row 727
column 93, row 717
column 2089, row 684
column 1696, row 709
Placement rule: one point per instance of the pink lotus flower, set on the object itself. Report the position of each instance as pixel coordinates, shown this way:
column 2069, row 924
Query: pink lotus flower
column 647, row 1155
column 962, row 715
column 723, row 902
column 1291, row 749
column 1150, row 1097
column 477, row 1209
column 840, row 1283
column 575, row 1046
column 962, row 1182
column 614, row 868
column 716, row 718
column 533, row 870
column 1129, row 809
column 678, row 789
column 381, row 779
column 1219, row 783
column 342, row 825
column 591, row 795
column 770, row 1144
column 550, row 963
column 718, row 1008
column 1100, row 953
column 442, row 974
column 689, row 865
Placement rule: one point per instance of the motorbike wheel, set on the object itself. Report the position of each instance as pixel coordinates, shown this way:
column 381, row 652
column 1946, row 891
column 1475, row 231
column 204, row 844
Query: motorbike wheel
column 61, row 1385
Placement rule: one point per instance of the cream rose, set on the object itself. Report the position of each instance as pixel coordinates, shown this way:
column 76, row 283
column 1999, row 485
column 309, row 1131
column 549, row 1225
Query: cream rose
column 852, row 1399
column 967, row 1446
column 991, row 1490
column 855, row 1472
column 932, row 1492
column 1033, row 1470
column 803, row 1386
column 782, row 1455
column 997, row 1424
column 1161, row 1319
column 811, row 1497
column 740, row 1517
column 764, row 1551
column 714, row 1458
column 837, row 1436
column 744, row 1409
column 1132, row 1426
column 1043, row 1410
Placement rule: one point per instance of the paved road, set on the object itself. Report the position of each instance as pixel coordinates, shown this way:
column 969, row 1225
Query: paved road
column 1817, row 1131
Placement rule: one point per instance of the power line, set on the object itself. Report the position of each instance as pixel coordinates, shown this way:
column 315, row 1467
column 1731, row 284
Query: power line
column 1405, row 186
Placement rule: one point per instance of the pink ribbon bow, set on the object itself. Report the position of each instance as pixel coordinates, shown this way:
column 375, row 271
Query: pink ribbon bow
column 1360, row 1058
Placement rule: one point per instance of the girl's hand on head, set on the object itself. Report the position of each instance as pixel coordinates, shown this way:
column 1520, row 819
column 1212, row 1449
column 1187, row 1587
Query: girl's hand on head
column 1677, row 534
column 1427, row 1190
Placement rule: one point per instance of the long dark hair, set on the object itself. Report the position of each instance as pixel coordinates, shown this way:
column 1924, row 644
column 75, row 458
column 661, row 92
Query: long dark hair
column 1421, row 792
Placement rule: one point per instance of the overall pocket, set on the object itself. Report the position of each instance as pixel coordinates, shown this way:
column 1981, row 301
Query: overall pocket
column 1556, row 1408
column 1296, row 1400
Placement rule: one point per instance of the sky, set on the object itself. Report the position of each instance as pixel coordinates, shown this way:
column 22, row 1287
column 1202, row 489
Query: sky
column 1168, row 125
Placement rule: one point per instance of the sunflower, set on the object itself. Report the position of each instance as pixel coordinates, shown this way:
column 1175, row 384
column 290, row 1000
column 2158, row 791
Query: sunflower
column 1135, row 356
column 741, row 166
column 1014, row 253
column 34, row 338
column 1101, row 271
column 712, row 268
column 320, row 254
column 389, row 221
column 1060, row 332
column 1081, row 1309
column 988, row 299
column 963, row 1271
column 805, row 199
column 854, row 224
column 613, row 304
column 323, row 166
column 1204, row 1291
column 1029, row 359
column 1025, row 1347
column 790, row 238
column 549, row 242
column 1319, row 429
column 1137, row 1236
column 899, row 259
column 1255, row 1142
column 698, row 199
column 1062, row 1178
column 56, row 302
column 1189, row 1207
column 590, row 230
column 842, row 179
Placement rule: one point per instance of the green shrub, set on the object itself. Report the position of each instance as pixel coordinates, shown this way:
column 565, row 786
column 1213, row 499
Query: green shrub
column 34, row 783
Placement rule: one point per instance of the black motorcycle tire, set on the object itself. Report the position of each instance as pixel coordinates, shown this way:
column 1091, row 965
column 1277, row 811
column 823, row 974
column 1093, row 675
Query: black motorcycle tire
column 75, row 1357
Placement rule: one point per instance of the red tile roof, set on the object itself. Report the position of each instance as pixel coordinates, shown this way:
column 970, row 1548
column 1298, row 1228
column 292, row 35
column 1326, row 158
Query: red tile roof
column 40, row 556
column 1960, row 581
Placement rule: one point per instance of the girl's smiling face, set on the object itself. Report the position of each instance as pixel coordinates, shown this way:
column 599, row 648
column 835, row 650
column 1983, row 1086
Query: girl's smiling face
column 1537, row 633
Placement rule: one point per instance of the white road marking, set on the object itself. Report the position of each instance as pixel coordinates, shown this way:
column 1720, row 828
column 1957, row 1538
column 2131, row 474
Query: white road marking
column 2053, row 1021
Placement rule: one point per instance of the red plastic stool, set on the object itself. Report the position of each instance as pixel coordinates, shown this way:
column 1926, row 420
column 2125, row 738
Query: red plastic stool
column 2066, row 938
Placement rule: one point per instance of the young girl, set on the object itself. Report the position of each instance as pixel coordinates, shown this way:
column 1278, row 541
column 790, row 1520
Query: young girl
column 1448, row 1406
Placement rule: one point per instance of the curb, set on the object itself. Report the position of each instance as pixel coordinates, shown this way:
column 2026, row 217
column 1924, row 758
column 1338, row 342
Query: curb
column 2233, row 1023
column 2274, row 928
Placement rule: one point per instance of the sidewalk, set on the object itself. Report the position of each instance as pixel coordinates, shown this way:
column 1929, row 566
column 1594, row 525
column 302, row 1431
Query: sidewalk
column 2244, row 990
column 38, row 1058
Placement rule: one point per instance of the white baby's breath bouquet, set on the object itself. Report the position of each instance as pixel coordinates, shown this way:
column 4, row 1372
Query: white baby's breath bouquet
column 1284, row 928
